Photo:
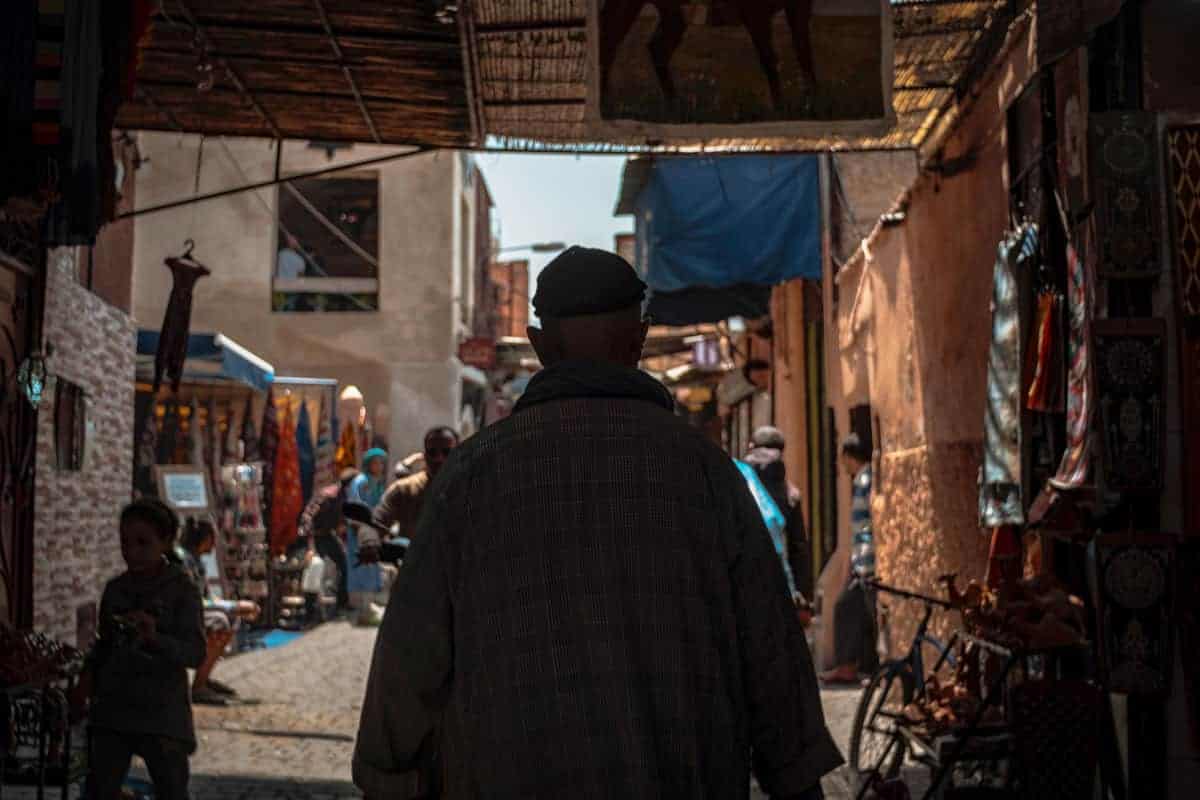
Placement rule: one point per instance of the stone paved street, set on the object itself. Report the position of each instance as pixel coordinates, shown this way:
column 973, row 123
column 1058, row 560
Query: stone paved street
column 297, row 741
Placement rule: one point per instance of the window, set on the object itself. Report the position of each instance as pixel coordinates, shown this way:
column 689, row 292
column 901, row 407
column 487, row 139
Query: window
column 69, row 423
column 327, row 248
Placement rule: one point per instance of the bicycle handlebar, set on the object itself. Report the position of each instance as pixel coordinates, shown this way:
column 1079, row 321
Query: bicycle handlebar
column 934, row 601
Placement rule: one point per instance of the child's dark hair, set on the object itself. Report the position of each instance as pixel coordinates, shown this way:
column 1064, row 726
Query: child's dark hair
column 196, row 530
column 153, row 512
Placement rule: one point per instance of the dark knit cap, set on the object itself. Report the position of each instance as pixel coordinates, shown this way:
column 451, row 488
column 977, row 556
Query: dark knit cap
column 584, row 281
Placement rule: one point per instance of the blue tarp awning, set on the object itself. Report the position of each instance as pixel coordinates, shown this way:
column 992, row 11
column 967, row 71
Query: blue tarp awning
column 728, row 221
column 214, row 355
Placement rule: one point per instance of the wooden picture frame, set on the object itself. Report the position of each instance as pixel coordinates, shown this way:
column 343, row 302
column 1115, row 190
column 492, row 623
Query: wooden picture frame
column 187, row 489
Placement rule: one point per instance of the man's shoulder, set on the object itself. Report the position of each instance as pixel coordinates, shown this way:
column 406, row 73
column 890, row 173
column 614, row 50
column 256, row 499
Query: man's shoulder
column 410, row 485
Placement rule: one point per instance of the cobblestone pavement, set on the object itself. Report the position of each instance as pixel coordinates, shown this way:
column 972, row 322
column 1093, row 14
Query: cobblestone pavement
column 296, row 743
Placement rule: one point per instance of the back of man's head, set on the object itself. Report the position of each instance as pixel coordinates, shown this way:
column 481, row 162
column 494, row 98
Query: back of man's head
column 590, row 306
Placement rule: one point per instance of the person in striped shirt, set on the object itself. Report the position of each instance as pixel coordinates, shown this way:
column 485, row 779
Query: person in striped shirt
column 854, row 612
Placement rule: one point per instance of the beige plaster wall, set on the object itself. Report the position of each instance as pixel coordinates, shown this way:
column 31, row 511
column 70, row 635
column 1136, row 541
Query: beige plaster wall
column 402, row 357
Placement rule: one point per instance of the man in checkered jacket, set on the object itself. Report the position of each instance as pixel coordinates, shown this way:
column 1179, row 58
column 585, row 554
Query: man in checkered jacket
column 592, row 607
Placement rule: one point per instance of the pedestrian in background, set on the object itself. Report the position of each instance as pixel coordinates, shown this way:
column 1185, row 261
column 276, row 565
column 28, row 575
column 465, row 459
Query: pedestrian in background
column 366, row 579
column 591, row 607
column 854, row 613
column 765, row 457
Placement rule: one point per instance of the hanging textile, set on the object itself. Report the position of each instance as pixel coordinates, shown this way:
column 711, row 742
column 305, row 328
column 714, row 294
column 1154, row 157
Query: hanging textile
column 177, row 321
column 1045, row 362
column 75, row 218
column 347, row 450
column 168, row 439
column 307, row 455
column 268, row 447
column 147, row 443
column 1076, row 459
column 286, row 501
column 1125, row 187
column 324, row 471
column 1130, row 395
column 18, row 65
column 249, row 435
column 1000, row 485
column 195, row 454
column 1183, row 146
column 213, row 446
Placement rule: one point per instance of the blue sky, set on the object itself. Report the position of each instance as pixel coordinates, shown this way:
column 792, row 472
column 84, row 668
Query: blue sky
column 559, row 198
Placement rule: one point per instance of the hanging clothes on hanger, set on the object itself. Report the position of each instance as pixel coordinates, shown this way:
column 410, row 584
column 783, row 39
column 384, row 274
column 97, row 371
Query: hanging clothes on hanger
column 177, row 322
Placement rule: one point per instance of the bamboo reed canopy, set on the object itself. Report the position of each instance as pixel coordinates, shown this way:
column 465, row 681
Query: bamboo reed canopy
column 529, row 59
column 383, row 71
column 508, row 74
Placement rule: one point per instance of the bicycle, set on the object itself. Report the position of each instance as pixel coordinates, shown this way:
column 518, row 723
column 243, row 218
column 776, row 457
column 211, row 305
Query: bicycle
column 878, row 747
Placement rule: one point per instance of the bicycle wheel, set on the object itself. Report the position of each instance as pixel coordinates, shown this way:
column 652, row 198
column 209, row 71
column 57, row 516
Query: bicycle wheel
column 876, row 745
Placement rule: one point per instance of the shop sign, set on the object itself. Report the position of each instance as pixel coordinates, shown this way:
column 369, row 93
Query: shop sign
column 478, row 352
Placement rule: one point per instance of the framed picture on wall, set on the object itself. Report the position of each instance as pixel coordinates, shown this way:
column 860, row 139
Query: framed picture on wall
column 185, row 489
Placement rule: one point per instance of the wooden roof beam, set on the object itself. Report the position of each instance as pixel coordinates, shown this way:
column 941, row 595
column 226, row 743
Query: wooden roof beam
column 532, row 26
column 337, row 51
column 229, row 27
column 233, row 76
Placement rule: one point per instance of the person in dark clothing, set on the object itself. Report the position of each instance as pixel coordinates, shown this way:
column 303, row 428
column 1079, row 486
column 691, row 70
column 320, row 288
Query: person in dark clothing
column 592, row 606
column 150, row 633
column 854, row 613
column 322, row 520
column 766, row 457
column 402, row 502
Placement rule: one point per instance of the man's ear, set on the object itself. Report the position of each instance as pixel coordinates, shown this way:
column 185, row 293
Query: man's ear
column 641, row 342
column 546, row 349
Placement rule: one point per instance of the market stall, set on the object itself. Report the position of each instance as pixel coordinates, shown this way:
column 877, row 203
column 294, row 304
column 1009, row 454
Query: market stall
column 244, row 446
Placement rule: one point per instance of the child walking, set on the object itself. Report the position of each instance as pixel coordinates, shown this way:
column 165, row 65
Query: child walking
column 150, row 632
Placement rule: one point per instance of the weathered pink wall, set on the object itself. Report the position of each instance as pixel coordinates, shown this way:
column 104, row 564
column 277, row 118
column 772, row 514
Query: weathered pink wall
column 910, row 335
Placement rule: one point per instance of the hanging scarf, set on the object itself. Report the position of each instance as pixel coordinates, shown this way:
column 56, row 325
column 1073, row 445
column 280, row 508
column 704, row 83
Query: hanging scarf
column 1000, row 500
column 168, row 438
column 249, row 435
column 324, row 470
column 306, row 455
column 347, row 450
column 1073, row 469
column 287, row 500
column 268, row 447
column 1044, row 363
column 213, row 447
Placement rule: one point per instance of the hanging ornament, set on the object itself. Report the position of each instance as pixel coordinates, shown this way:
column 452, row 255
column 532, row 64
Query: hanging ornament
column 33, row 378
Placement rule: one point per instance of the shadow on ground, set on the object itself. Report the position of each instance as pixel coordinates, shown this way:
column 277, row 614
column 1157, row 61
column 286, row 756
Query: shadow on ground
column 257, row 787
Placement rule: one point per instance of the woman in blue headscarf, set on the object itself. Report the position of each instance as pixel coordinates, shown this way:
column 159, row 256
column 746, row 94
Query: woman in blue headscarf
column 365, row 579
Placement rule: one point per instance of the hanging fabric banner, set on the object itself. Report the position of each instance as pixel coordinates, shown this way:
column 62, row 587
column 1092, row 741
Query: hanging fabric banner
column 1131, row 382
column 1125, row 187
column 1000, row 483
column 670, row 70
